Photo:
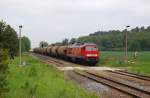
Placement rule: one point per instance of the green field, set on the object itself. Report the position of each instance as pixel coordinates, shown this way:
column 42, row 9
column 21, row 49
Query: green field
column 140, row 65
column 39, row 80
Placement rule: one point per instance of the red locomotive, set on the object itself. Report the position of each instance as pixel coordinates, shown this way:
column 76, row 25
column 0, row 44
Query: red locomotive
column 81, row 52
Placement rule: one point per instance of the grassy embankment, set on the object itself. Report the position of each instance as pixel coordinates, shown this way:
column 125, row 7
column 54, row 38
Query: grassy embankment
column 39, row 80
column 139, row 65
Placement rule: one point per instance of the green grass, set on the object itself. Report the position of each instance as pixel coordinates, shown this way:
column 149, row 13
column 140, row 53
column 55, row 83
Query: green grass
column 39, row 80
column 139, row 65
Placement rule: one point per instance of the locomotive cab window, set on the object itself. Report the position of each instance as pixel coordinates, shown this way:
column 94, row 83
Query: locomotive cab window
column 91, row 48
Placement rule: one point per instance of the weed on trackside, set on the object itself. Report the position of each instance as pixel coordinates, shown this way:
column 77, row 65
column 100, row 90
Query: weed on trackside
column 39, row 80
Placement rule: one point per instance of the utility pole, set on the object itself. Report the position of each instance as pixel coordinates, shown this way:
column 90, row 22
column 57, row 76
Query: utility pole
column 126, row 42
column 20, row 27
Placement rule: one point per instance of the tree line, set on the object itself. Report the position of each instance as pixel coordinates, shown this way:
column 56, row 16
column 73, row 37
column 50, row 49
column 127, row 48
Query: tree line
column 138, row 39
column 114, row 40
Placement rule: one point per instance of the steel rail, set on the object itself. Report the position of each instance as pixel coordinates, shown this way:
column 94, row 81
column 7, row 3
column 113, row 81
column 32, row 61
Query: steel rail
column 105, row 83
column 130, row 75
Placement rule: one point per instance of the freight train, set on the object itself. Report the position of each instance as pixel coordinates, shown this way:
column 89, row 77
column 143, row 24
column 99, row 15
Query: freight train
column 79, row 52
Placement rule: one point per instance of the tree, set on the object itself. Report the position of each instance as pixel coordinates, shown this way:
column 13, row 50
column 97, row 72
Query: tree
column 142, row 29
column 134, row 45
column 2, row 27
column 43, row 44
column 26, row 44
column 135, row 29
column 8, row 39
column 65, row 41
column 72, row 41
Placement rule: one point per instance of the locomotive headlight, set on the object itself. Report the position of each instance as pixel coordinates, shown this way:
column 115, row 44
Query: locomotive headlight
column 91, row 55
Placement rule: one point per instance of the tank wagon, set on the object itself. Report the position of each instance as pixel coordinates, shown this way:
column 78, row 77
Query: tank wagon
column 49, row 50
column 78, row 52
column 62, row 51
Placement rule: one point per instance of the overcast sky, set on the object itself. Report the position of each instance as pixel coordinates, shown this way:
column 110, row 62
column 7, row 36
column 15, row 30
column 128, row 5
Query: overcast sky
column 54, row 20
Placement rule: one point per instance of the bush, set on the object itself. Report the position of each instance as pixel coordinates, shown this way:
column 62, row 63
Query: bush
column 3, row 72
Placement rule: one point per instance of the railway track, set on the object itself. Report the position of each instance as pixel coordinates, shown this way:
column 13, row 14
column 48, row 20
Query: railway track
column 122, row 87
column 124, row 73
column 125, row 88
column 146, row 77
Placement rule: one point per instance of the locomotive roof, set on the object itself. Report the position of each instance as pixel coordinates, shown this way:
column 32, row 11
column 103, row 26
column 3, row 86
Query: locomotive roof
column 81, row 44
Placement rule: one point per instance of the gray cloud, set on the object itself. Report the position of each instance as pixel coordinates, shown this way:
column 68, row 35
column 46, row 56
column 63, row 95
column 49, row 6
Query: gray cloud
column 54, row 20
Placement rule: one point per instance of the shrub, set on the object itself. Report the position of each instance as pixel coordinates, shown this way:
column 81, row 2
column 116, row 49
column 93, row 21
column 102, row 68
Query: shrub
column 3, row 72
